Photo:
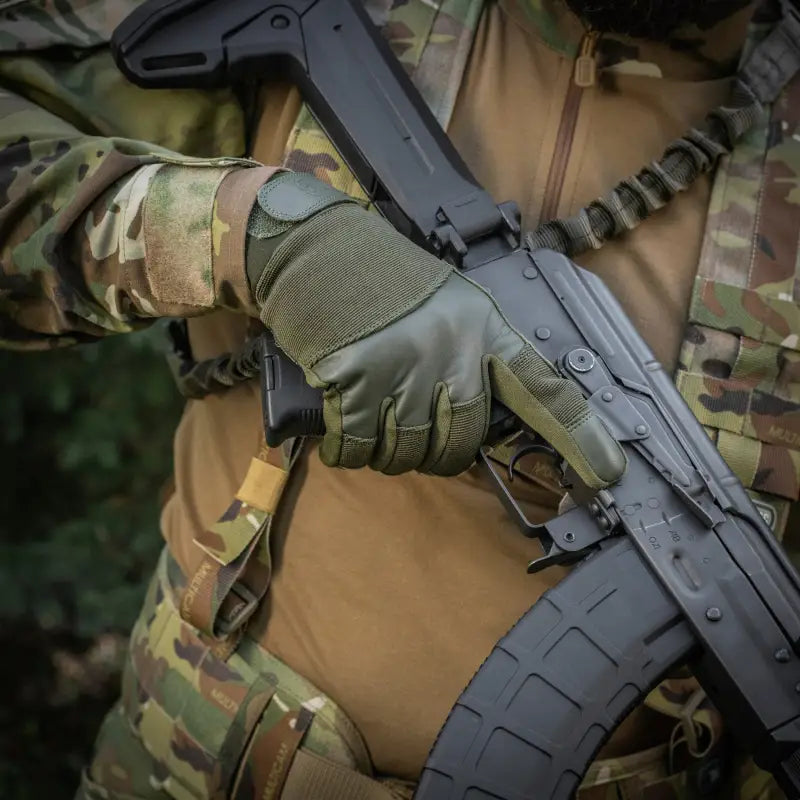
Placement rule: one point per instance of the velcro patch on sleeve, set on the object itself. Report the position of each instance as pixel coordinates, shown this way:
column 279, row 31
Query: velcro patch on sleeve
column 178, row 215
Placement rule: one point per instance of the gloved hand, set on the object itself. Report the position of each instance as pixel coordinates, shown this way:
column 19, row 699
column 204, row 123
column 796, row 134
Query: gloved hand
column 409, row 351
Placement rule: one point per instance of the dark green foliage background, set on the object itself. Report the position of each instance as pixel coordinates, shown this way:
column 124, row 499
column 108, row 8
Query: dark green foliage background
column 86, row 456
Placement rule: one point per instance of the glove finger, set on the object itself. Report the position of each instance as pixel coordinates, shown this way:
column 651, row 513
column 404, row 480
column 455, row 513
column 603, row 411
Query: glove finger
column 387, row 441
column 412, row 444
column 338, row 448
column 458, row 432
column 399, row 448
column 554, row 407
column 441, row 413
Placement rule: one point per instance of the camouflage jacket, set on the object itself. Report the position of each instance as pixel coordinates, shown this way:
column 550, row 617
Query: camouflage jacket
column 90, row 187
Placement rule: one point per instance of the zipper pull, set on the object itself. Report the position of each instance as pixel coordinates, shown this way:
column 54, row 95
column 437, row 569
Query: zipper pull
column 585, row 63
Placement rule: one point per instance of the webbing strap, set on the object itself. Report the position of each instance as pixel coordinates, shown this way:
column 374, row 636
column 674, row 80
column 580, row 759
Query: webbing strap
column 235, row 572
column 684, row 700
column 312, row 776
column 768, row 68
column 270, row 755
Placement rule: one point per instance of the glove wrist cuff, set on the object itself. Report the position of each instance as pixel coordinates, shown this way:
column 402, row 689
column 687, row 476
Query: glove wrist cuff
column 284, row 202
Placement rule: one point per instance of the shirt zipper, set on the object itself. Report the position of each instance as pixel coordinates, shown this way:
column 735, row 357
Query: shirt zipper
column 584, row 76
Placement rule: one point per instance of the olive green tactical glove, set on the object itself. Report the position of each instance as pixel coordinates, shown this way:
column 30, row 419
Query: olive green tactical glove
column 409, row 352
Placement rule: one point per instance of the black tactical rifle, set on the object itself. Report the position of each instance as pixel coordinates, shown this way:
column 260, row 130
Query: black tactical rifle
column 675, row 565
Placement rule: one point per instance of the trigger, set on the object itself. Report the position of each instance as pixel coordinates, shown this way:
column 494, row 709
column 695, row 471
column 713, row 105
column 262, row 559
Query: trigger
column 525, row 450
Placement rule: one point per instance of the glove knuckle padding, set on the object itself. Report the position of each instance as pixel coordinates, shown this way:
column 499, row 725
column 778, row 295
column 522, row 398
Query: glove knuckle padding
column 340, row 276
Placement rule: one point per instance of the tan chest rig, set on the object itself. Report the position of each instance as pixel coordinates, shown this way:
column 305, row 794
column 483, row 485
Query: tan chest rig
column 739, row 368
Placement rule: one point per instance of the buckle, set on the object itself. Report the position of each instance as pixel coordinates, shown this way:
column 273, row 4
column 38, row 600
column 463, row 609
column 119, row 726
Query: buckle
column 244, row 604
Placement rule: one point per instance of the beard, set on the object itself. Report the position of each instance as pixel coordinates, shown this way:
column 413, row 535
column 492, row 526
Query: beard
column 652, row 19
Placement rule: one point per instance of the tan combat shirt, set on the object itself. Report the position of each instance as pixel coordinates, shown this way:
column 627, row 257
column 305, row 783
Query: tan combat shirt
column 388, row 592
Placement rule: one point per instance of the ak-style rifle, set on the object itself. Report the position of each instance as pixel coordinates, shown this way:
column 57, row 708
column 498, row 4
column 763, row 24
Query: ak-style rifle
column 674, row 564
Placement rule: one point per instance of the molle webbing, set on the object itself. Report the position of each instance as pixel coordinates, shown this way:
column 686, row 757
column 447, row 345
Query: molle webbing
column 766, row 69
column 237, row 726
column 739, row 367
column 311, row 776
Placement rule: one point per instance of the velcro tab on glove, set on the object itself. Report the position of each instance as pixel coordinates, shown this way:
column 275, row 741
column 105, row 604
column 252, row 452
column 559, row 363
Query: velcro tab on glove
column 295, row 196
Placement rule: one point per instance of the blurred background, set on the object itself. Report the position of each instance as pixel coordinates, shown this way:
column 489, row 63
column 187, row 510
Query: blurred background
column 86, row 437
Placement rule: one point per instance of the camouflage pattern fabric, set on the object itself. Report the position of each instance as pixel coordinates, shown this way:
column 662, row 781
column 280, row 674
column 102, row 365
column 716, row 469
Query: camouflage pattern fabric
column 38, row 24
column 189, row 709
column 432, row 39
column 620, row 55
column 696, row 763
column 740, row 360
column 186, row 716
column 738, row 365
column 646, row 776
column 86, row 178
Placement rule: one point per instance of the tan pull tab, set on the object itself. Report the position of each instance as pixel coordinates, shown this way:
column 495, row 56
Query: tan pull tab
column 585, row 63
column 263, row 485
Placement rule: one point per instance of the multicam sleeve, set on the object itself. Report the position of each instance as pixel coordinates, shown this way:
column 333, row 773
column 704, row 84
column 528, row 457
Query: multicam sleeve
column 99, row 234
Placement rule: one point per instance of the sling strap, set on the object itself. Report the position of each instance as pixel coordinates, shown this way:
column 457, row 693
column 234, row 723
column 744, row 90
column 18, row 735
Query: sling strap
column 773, row 63
column 766, row 71
column 197, row 379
